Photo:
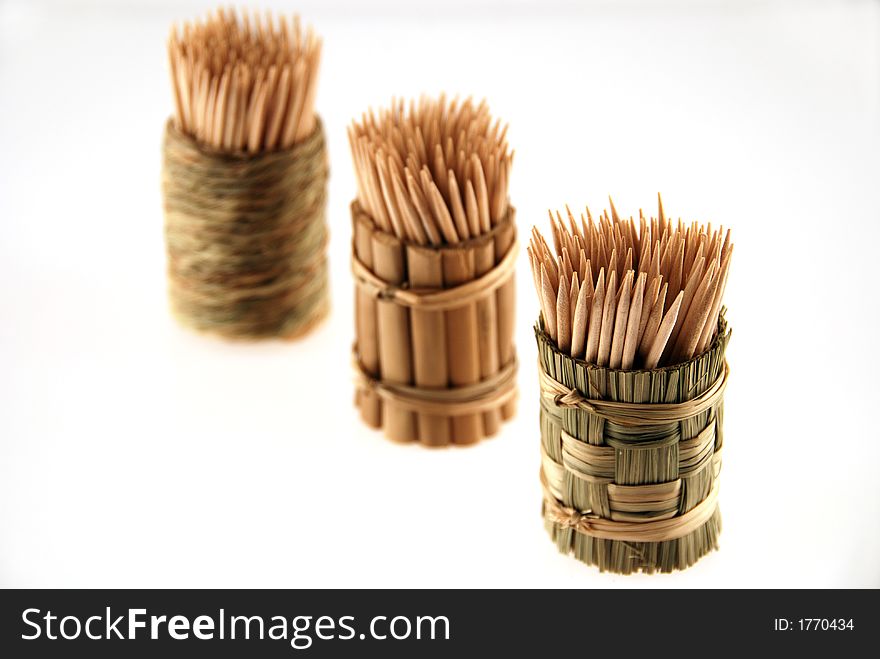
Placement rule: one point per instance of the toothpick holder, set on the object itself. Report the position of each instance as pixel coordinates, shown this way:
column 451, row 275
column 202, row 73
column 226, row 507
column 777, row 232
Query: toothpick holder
column 246, row 237
column 630, row 459
column 434, row 354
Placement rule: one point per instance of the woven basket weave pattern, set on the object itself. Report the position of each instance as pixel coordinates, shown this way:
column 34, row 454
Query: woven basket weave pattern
column 631, row 473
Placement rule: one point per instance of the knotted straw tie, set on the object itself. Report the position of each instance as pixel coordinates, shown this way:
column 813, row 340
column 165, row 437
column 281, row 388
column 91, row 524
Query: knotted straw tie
column 632, row 415
column 479, row 397
column 437, row 299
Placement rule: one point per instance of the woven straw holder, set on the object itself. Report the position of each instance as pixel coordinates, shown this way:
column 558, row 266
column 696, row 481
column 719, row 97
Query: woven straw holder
column 630, row 459
column 246, row 237
column 434, row 353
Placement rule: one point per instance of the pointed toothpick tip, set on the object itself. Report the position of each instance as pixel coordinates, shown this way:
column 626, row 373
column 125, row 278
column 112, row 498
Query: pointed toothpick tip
column 614, row 215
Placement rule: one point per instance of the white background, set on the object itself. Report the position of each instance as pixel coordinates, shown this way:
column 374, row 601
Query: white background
column 134, row 453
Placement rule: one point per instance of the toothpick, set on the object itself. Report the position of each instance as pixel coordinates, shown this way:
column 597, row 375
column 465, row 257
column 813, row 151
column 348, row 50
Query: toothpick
column 632, row 325
column 548, row 305
column 563, row 317
column 225, row 96
column 596, row 310
column 581, row 321
column 621, row 318
column 447, row 146
column 653, row 324
column 608, row 313
column 665, row 329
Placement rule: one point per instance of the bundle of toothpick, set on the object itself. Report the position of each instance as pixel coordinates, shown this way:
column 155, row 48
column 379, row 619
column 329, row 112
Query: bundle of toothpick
column 631, row 343
column 433, row 255
column 244, row 177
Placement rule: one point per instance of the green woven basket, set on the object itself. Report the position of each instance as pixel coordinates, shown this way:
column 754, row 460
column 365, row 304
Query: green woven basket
column 630, row 459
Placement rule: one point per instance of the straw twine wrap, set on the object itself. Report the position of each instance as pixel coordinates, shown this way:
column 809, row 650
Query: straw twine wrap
column 630, row 459
column 246, row 236
column 434, row 353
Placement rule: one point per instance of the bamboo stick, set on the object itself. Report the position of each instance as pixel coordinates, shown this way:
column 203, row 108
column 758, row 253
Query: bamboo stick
column 366, row 324
column 487, row 329
column 430, row 370
column 506, row 306
column 395, row 351
column 462, row 342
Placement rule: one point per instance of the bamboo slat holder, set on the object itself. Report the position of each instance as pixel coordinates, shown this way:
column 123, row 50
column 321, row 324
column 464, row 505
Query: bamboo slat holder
column 630, row 459
column 434, row 353
column 246, row 236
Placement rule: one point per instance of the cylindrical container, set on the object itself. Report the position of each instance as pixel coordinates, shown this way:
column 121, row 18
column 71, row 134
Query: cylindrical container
column 434, row 349
column 630, row 459
column 244, row 177
column 246, row 236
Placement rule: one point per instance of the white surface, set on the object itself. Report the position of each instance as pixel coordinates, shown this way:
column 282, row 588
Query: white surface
column 133, row 453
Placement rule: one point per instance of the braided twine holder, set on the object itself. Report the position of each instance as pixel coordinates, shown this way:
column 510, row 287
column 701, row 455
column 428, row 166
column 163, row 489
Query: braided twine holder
column 434, row 353
column 246, row 237
column 630, row 459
